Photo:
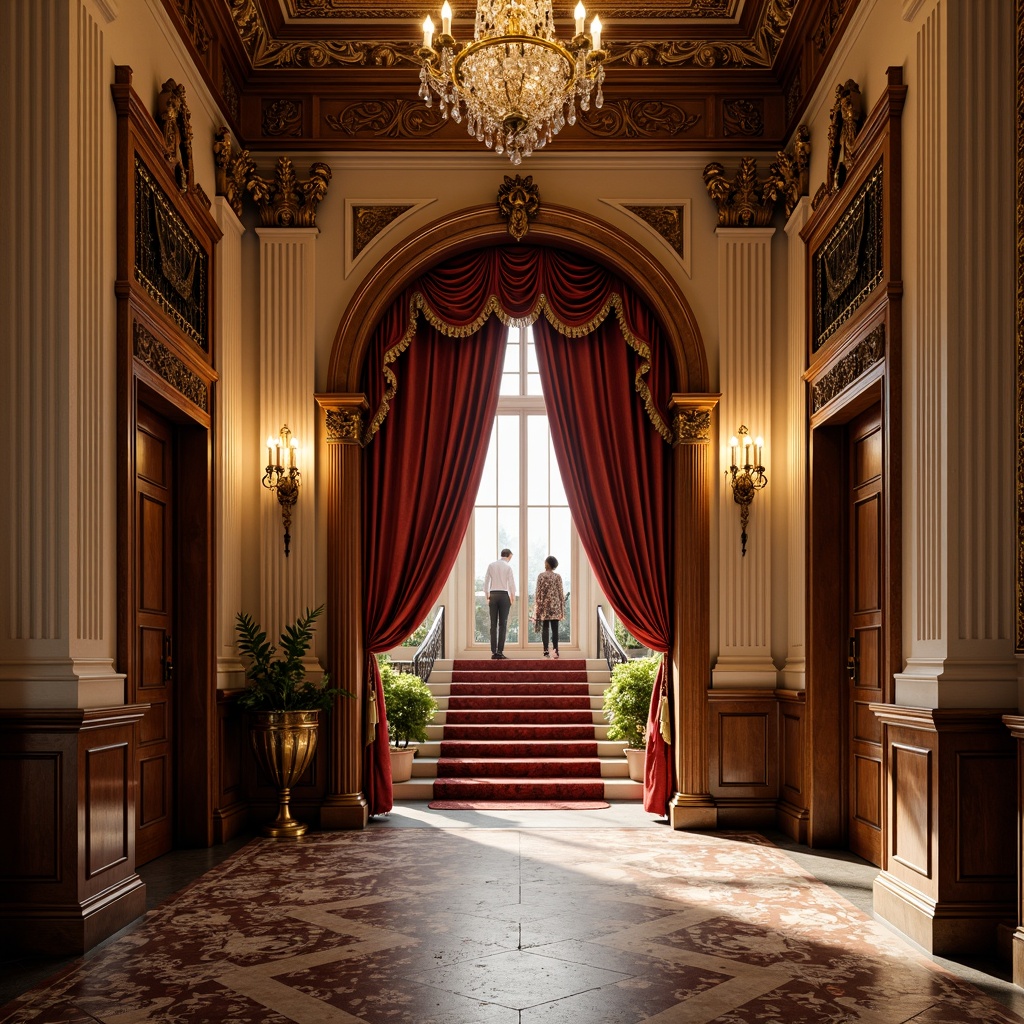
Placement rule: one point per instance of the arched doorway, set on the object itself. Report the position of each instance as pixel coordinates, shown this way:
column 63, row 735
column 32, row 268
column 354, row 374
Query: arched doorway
column 346, row 406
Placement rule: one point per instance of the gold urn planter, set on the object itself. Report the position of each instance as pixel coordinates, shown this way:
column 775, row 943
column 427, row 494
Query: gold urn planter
column 284, row 743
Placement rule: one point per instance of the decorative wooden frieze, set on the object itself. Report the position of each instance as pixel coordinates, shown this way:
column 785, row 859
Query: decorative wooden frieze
column 344, row 427
column 853, row 365
column 518, row 203
column 370, row 221
column 170, row 263
column 666, row 220
column 693, row 426
column 282, row 117
column 162, row 361
column 172, row 114
column 384, row 119
column 794, row 94
column 233, row 169
column 637, row 119
column 828, row 24
column 849, row 264
column 743, row 117
column 192, row 19
column 719, row 9
column 287, row 201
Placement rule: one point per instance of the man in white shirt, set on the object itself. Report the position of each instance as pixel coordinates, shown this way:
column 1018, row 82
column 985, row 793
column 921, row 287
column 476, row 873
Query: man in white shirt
column 500, row 595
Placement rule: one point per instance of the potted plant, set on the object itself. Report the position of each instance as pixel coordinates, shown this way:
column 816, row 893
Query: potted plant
column 629, row 643
column 627, row 704
column 284, row 708
column 409, row 706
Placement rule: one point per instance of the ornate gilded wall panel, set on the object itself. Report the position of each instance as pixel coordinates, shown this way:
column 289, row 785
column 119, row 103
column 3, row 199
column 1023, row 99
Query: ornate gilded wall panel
column 868, row 352
column 849, row 264
column 170, row 263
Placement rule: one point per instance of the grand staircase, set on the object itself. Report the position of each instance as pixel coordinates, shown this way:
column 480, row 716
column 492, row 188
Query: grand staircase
column 519, row 730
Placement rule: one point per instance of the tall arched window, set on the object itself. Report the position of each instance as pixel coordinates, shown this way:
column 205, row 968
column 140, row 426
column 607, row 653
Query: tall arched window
column 521, row 503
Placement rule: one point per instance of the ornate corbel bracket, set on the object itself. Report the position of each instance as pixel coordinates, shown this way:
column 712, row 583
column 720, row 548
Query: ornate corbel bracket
column 788, row 177
column 233, row 169
column 518, row 203
column 286, row 201
column 743, row 201
column 346, row 418
column 691, row 418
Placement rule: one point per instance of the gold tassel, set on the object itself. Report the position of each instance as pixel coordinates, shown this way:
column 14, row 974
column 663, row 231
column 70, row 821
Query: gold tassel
column 372, row 718
column 665, row 720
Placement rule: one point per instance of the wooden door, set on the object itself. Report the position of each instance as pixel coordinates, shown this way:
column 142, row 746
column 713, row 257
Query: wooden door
column 154, row 639
column 865, row 663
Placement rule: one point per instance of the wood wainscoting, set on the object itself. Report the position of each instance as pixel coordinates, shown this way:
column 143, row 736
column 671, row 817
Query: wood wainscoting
column 231, row 809
column 70, row 880
column 949, row 874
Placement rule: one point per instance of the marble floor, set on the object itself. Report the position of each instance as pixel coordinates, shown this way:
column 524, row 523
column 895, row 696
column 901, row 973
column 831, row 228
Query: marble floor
column 534, row 917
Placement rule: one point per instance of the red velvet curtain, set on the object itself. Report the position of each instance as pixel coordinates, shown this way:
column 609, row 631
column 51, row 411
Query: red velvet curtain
column 617, row 474
column 433, row 393
column 423, row 473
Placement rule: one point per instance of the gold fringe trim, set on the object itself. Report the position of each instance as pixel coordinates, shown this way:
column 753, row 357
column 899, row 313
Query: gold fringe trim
column 492, row 307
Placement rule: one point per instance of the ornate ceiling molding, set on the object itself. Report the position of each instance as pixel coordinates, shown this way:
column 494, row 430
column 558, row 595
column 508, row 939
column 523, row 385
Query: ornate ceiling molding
column 721, row 10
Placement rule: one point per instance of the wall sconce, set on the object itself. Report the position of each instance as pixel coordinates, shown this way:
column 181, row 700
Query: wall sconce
column 747, row 477
column 285, row 481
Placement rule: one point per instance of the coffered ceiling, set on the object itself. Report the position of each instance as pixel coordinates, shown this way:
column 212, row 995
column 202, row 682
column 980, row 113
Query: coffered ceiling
column 342, row 74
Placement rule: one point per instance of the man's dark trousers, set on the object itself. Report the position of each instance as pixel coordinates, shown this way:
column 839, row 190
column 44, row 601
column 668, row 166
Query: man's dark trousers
column 500, row 604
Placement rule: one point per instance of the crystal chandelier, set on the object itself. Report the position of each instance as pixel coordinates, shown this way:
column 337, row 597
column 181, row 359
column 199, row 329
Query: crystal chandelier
column 517, row 83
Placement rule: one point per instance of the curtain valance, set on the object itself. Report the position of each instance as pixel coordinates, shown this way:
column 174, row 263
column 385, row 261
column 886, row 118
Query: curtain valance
column 518, row 286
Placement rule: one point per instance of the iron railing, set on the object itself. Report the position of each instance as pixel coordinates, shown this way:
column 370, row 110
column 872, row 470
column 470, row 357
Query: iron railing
column 432, row 647
column 614, row 653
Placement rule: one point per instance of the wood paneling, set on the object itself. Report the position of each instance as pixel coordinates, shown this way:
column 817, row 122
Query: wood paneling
column 63, row 889
column 792, row 815
column 911, row 776
column 744, row 749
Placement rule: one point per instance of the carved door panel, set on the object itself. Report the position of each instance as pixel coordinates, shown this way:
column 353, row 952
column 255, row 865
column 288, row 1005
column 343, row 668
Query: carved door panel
column 865, row 664
column 154, row 640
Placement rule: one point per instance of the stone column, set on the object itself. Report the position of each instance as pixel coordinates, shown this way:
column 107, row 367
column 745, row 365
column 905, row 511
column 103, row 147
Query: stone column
column 744, row 581
column 692, row 805
column 58, row 556
column 287, row 366
column 345, row 806
column 234, row 449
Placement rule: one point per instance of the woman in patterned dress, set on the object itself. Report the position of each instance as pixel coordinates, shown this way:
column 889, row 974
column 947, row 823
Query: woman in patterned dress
column 549, row 604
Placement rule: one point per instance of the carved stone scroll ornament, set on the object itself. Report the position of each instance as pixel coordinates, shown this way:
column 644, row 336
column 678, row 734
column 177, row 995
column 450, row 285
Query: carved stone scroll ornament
column 518, row 203
column 176, row 124
column 286, row 201
column 233, row 170
column 743, row 201
column 788, row 176
column 344, row 427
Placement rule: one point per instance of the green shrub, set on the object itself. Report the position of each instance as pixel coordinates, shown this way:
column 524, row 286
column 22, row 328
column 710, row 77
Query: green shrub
column 627, row 702
column 625, row 638
column 409, row 705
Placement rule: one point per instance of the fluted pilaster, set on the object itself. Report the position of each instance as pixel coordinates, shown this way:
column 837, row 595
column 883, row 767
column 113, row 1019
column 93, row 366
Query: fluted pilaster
column 958, row 486
column 793, row 674
column 692, row 805
column 345, row 806
column 744, row 317
column 57, row 559
column 233, row 447
column 287, row 354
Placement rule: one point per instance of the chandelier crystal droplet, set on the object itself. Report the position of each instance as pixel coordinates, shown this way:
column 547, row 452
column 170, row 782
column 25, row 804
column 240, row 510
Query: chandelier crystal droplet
column 516, row 85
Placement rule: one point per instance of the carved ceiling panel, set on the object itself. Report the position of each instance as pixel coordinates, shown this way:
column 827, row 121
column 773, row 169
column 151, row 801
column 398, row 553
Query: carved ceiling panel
column 681, row 74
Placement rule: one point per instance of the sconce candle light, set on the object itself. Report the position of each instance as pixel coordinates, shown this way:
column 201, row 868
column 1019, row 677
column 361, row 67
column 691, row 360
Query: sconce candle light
column 748, row 476
column 284, row 481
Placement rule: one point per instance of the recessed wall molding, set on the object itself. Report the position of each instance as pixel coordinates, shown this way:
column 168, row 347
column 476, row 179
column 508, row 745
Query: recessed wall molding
column 668, row 219
column 368, row 222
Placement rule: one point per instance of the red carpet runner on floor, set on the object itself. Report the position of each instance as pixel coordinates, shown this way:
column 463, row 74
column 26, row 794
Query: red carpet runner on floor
column 519, row 731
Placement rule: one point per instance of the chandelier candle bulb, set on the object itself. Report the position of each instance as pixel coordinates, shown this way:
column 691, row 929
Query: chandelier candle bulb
column 428, row 32
column 446, row 19
column 581, row 15
column 595, row 33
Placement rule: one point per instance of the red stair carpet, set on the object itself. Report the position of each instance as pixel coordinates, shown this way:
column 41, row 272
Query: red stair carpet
column 519, row 734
